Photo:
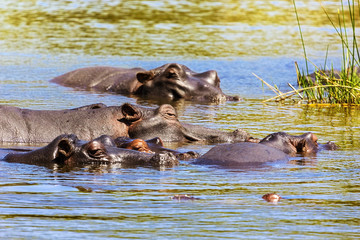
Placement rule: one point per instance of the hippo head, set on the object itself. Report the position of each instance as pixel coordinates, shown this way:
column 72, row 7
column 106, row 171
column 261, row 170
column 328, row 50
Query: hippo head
column 149, row 123
column 68, row 150
column 176, row 81
column 304, row 144
column 271, row 197
column 154, row 145
column 150, row 145
column 163, row 123
column 138, row 145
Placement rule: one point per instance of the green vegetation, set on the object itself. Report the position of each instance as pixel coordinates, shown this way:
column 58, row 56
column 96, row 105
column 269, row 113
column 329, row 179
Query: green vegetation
column 329, row 85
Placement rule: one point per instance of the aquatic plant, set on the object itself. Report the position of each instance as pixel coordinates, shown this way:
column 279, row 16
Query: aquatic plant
column 329, row 85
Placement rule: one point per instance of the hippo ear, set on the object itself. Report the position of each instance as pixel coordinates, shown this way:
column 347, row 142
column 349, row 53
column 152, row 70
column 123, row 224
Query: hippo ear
column 312, row 137
column 306, row 145
column 143, row 77
column 301, row 146
column 156, row 141
column 130, row 112
column 210, row 77
column 311, row 143
column 64, row 149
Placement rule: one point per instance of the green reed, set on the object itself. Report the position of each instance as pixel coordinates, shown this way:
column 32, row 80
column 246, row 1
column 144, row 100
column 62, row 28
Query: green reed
column 334, row 86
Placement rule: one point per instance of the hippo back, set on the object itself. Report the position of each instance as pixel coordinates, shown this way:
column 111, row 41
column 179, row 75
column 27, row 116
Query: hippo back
column 87, row 122
column 241, row 154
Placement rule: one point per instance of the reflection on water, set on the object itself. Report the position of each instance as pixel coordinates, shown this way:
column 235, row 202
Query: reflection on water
column 43, row 39
column 166, row 28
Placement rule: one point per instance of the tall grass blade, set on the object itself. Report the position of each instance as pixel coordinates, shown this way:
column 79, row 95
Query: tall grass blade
column 301, row 36
column 330, row 86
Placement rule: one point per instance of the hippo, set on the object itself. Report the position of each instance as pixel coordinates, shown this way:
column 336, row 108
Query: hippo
column 272, row 197
column 169, row 82
column 88, row 122
column 274, row 147
column 137, row 145
column 242, row 154
column 305, row 144
column 321, row 76
column 36, row 126
column 184, row 197
column 68, row 150
column 154, row 145
column 291, row 145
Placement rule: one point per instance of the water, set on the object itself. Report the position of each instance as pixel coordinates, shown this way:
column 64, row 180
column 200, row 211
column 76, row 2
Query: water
column 42, row 39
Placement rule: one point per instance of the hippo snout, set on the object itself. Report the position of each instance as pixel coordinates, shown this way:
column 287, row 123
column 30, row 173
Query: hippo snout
column 241, row 135
column 167, row 159
column 217, row 98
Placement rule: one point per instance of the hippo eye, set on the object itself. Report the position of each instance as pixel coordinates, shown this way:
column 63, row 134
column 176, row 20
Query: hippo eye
column 167, row 111
column 170, row 114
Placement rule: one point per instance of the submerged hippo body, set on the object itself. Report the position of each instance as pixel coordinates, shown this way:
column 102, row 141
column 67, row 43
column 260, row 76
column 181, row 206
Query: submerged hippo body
column 323, row 75
column 274, row 147
column 89, row 122
column 241, row 154
column 67, row 149
column 171, row 82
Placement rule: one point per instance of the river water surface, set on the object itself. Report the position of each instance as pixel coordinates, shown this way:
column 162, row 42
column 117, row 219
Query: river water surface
column 43, row 39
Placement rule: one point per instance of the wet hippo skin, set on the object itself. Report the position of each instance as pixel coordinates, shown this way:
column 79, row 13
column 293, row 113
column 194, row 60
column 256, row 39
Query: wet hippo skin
column 274, row 147
column 291, row 145
column 168, row 82
column 322, row 75
column 241, row 154
column 154, row 145
column 67, row 149
column 91, row 121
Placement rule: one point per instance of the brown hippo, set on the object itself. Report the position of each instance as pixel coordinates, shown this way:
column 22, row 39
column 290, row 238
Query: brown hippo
column 68, row 150
column 241, row 154
column 271, row 197
column 170, row 82
column 276, row 146
column 291, row 145
column 323, row 75
column 89, row 122
column 154, row 145
column 184, row 197
column 305, row 144
column 138, row 145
